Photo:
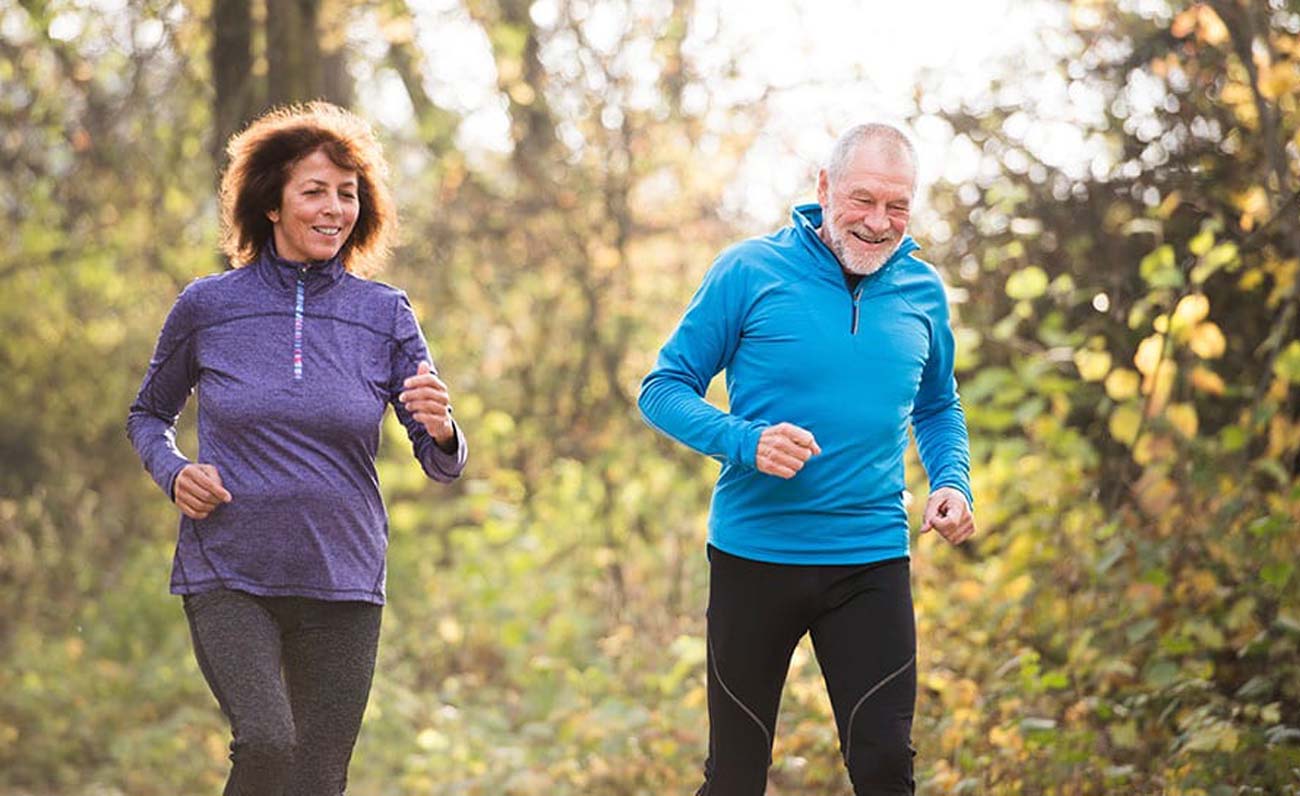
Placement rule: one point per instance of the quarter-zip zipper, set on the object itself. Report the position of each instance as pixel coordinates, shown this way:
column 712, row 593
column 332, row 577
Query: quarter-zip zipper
column 857, row 299
column 297, row 327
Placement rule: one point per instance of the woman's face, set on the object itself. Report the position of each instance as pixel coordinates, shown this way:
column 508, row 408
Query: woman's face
column 317, row 211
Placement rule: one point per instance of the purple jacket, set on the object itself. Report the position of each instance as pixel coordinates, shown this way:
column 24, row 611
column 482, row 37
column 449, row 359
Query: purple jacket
column 295, row 367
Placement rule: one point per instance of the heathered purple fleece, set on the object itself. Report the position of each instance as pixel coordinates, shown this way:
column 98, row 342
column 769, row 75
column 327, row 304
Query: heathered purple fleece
column 294, row 368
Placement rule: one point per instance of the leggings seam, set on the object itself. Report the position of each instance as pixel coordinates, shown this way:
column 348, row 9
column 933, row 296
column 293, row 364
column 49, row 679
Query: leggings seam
column 848, row 742
column 767, row 736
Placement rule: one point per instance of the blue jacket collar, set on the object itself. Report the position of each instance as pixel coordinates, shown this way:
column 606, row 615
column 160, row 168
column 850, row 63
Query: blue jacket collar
column 808, row 219
column 284, row 273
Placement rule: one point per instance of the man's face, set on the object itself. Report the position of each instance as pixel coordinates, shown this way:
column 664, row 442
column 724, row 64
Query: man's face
column 866, row 207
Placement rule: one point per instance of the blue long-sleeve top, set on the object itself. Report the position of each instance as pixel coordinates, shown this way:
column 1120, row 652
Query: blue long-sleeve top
column 854, row 367
column 294, row 367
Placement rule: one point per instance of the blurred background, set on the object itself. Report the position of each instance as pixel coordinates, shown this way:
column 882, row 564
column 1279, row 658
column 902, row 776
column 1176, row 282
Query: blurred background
column 1111, row 196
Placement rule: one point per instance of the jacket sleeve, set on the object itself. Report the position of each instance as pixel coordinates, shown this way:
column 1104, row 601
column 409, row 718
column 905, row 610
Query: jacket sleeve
column 409, row 350
column 703, row 344
column 172, row 374
column 937, row 416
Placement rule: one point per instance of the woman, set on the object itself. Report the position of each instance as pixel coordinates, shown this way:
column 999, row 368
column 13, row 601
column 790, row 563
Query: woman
column 280, row 559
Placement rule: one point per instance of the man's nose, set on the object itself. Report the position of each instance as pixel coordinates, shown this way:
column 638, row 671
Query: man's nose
column 876, row 219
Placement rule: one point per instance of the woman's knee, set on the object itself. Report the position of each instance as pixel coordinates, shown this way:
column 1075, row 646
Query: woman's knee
column 266, row 745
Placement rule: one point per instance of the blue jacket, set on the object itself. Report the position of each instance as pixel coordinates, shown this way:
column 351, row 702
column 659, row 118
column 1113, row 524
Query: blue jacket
column 294, row 367
column 855, row 369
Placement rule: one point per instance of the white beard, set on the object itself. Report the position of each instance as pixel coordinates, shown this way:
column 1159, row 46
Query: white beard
column 863, row 264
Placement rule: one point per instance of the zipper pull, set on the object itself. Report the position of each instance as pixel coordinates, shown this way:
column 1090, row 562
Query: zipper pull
column 857, row 299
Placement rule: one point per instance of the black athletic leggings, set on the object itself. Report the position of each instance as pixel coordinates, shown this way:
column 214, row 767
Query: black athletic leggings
column 292, row 675
column 864, row 634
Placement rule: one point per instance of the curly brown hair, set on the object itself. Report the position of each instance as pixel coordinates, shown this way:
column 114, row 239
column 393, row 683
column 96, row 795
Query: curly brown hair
column 261, row 157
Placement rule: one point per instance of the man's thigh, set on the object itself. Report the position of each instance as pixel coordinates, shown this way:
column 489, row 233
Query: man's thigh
column 866, row 646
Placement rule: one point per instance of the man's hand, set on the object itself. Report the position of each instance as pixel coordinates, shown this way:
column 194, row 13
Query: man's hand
column 197, row 490
column 948, row 513
column 426, row 398
column 783, row 449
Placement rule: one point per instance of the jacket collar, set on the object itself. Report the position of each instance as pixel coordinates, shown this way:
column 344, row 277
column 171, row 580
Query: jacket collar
column 284, row 273
column 808, row 219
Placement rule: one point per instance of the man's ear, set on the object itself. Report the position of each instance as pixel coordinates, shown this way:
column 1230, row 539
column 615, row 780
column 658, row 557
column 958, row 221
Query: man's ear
column 823, row 187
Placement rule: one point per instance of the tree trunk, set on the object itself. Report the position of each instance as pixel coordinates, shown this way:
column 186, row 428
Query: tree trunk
column 293, row 54
column 232, row 52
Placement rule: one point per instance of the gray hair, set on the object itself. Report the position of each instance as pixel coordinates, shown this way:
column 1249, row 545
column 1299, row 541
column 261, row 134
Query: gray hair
column 861, row 134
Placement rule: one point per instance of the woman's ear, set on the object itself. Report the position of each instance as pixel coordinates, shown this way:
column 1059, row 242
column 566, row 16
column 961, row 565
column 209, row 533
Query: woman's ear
column 274, row 215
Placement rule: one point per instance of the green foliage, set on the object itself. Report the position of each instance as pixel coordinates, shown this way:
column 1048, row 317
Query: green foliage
column 1127, row 622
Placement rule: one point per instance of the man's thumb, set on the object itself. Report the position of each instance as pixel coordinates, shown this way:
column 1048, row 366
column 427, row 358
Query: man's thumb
column 423, row 369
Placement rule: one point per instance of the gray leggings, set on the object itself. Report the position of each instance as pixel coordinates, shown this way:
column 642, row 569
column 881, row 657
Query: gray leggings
column 292, row 675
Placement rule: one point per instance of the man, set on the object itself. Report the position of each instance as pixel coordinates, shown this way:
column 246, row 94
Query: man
column 834, row 338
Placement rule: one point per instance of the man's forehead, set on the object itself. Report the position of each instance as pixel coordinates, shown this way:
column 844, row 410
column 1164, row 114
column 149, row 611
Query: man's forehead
column 877, row 161
column 879, row 153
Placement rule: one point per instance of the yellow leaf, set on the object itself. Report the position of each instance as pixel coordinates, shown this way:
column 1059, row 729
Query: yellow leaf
column 1284, row 276
column 1210, row 28
column 1235, row 92
column 1168, row 206
column 1183, row 418
column 1207, row 341
column 1190, row 311
column 1277, row 80
column 1005, row 739
column 1283, row 437
column 1201, row 582
column 1184, row 23
column 1124, row 423
column 1016, row 588
column 969, row 590
column 1253, row 204
column 1159, row 386
column 1207, row 380
column 1248, row 115
column 1150, row 352
column 1122, row 384
column 1092, row 365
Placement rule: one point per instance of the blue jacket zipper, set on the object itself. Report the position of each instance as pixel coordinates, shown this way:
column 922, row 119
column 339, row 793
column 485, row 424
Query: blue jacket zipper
column 857, row 299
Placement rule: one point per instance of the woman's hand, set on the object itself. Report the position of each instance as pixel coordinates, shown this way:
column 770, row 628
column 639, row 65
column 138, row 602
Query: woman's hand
column 198, row 490
column 426, row 398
